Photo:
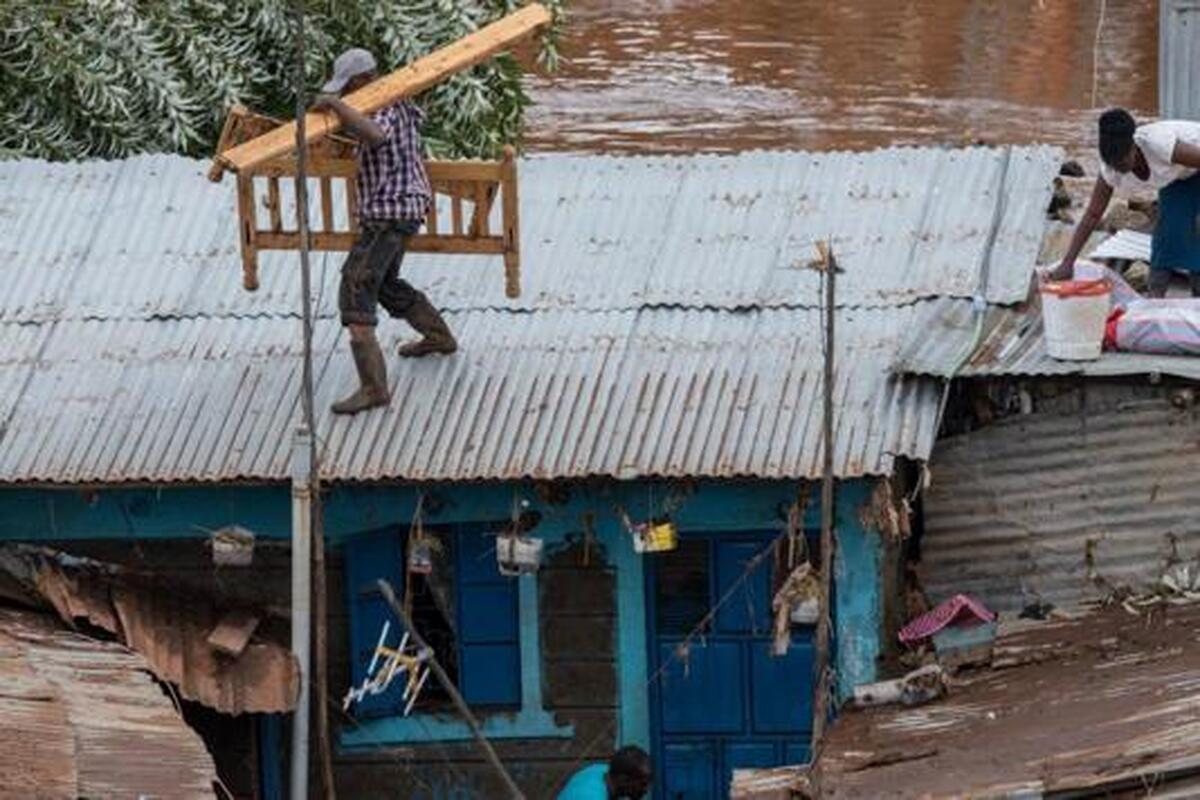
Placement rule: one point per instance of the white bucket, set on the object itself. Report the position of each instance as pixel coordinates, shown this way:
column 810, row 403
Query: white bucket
column 1075, row 313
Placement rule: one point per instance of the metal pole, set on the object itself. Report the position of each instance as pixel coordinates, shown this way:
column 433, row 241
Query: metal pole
column 824, row 623
column 301, row 608
column 303, row 450
column 488, row 751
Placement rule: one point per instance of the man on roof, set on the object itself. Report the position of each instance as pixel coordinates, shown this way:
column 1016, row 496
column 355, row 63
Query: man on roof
column 393, row 198
column 1164, row 156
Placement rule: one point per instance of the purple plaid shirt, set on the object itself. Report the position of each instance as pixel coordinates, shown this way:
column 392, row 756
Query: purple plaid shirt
column 392, row 184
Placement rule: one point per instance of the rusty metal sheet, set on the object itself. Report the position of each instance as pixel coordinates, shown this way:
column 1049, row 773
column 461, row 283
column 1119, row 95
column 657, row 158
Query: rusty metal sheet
column 1095, row 491
column 168, row 629
column 83, row 718
column 1103, row 701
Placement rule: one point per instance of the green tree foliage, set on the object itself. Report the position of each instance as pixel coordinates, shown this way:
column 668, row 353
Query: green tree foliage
column 108, row 78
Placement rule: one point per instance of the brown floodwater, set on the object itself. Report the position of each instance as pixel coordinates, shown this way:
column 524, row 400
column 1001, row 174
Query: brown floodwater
column 720, row 75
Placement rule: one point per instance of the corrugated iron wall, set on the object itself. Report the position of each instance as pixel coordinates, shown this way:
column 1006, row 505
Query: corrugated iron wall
column 1100, row 488
column 1179, row 59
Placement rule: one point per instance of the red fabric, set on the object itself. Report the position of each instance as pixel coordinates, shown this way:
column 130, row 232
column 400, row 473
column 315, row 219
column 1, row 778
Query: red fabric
column 1110, row 328
column 961, row 607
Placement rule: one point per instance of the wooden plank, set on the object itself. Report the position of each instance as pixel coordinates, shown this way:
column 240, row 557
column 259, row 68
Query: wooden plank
column 317, row 168
column 273, row 206
column 290, row 240
column 456, row 215
column 422, row 243
column 483, row 207
column 342, row 240
column 232, row 633
column 327, row 204
column 352, row 204
column 463, row 189
column 431, row 219
column 247, row 230
column 512, row 227
column 464, row 170
column 405, row 82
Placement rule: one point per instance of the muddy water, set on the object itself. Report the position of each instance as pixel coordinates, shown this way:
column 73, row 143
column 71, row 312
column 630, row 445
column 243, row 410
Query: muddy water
column 719, row 75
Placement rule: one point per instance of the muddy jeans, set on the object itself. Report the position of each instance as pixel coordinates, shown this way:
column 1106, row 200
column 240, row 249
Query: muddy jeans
column 370, row 275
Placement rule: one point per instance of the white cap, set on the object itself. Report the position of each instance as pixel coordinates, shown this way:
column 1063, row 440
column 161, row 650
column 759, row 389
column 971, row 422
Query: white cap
column 354, row 61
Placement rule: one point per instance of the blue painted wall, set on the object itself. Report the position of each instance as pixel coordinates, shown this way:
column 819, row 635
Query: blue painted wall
column 191, row 512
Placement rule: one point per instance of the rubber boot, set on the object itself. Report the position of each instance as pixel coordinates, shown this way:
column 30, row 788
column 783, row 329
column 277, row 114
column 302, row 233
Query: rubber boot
column 435, row 335
column 372, row 379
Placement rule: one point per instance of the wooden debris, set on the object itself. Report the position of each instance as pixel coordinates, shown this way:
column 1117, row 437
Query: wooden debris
column 405, row 82
column 232, row 633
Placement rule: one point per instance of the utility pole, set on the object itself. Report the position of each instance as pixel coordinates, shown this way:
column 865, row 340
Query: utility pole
column 828, row 267
column 304, row 468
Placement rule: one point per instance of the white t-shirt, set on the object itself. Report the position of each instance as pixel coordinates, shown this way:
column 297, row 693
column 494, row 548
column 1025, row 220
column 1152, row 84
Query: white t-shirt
column 1157, row 142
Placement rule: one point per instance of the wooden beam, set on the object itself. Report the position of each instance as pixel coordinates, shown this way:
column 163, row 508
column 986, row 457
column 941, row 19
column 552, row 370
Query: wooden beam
column 405, row 82
column 248, row 230
column 232, row 633
column 509, row 206
column 342, row 240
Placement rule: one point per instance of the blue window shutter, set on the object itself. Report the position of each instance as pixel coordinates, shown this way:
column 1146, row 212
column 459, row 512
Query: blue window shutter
column 370, row 557
column 488, row 626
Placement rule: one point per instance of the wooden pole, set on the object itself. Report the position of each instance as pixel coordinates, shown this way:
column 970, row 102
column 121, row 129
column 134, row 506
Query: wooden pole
column 488, row 751
column 404, row 82
column 828, row 540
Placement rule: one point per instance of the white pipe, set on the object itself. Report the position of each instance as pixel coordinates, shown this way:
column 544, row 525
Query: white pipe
column 301, row 603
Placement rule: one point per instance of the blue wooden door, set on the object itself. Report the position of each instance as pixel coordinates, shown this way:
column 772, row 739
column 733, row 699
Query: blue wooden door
column 722, row 701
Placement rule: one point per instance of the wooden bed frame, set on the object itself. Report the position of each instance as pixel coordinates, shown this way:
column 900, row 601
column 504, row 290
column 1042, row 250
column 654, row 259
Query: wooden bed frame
column 472, row 187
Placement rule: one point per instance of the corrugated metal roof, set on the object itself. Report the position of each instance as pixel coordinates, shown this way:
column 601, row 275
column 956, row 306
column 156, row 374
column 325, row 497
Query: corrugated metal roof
column 150, row 236
column 1125, row 244
column 1179, row 59
column 1059, row 506
column 84, row 718
column 548, row 394
column 1012, row 342
column 137, row 356
column 1099, row 706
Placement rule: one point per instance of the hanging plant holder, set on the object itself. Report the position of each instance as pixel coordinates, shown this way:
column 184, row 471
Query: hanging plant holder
column 420, row 557
column 518, row 555
column 656, row 536
column 233, row 546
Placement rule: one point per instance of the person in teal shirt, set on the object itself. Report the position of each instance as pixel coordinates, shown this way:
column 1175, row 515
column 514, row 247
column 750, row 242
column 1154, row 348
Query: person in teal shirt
column 628, row 774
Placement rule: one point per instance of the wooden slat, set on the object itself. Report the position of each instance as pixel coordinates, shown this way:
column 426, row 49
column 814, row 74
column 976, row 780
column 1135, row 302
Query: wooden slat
column 456, row 217
column 483, row 207
column 509, row 206
column 463, row 189
column 273, row 203
column 352, row 204
column 431, row 219
column 464, row 170
column 327, row 205
column 317, row 168
column 247, row 230
column 405, row 82
column 421, row 243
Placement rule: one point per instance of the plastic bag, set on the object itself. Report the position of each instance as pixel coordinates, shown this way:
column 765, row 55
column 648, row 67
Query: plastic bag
column 1168, row 327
